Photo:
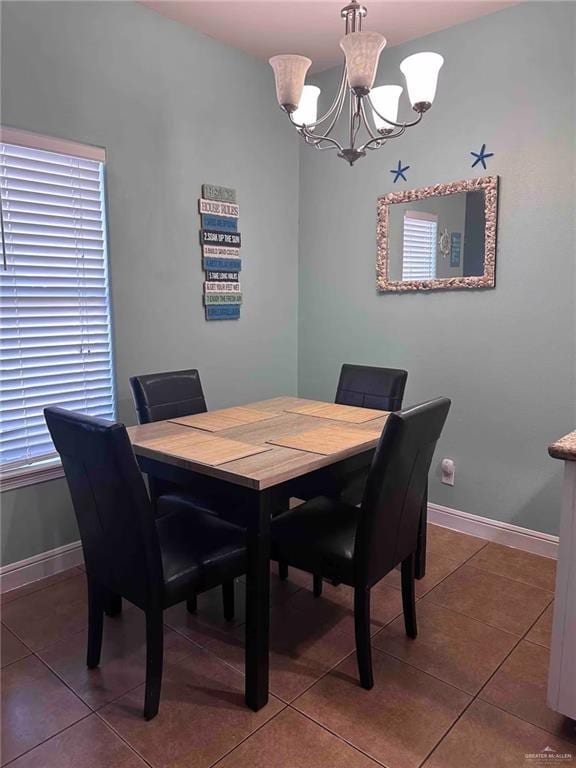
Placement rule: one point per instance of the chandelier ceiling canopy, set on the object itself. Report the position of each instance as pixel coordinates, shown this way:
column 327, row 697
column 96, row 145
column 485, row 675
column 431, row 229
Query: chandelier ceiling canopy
column 373, row 111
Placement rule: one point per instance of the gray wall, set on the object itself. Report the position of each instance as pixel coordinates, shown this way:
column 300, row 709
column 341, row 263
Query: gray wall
column 505, row 356
column 173, row 109
column 118, row 75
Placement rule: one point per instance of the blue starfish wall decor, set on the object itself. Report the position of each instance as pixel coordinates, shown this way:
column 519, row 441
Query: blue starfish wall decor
column 481, row 156
column 399, row 172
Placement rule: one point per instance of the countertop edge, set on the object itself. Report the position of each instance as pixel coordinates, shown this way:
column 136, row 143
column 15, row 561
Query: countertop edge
column 564, row 448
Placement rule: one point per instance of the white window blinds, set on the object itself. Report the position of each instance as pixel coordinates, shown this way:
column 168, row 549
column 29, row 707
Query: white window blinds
column 419, row 246
column 55, row 342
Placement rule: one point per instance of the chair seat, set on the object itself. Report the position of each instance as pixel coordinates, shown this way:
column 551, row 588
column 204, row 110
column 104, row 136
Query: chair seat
column 193, row 499
column 199, row 551
column 318, row 537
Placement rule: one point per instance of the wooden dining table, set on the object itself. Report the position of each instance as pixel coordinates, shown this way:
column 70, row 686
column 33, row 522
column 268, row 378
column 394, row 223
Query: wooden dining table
column 254, row 457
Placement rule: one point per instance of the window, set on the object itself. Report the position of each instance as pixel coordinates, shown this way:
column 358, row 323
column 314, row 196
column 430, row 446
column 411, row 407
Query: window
column 55, row 341
column 419, row 249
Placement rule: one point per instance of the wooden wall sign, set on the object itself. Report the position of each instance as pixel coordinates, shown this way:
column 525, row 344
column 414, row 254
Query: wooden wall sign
column 215, row 237
column 224, row 194
column 218, row 209
column 221, row 251
column 220, row 223
column 221, row 260
column 223, row 312
column 222, row 298
column 219, row 276
column 215, row 262
column 212, row 286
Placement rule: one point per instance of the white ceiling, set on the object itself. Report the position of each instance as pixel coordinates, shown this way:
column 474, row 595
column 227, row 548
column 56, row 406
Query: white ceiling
column 313, row 27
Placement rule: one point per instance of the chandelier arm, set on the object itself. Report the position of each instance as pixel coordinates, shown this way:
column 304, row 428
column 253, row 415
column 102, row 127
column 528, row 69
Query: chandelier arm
column 317, row 143
column 390, row 122
column 341, row 98
column 329, row 146
column 312, row 138
column 336, row 104
column 379, row 141
column 357, row 119
column 350, row 120
column 366, row 122
column 316, row 140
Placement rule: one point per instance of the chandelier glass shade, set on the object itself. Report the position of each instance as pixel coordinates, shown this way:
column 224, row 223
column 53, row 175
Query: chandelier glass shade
column 307, row 111
column 373, row 111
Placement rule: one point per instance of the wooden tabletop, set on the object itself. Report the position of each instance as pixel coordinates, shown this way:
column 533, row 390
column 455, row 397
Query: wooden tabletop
column 263, row 470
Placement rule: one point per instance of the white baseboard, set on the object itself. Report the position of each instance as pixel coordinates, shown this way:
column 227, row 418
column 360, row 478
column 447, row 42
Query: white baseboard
column 39, row 566
column 60, row 559
column 510, row 535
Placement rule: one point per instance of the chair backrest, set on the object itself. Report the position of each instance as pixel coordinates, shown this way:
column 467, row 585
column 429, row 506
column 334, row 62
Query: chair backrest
column 390, row 514
column 370, row 387
column 112, row 507
column 159, row 396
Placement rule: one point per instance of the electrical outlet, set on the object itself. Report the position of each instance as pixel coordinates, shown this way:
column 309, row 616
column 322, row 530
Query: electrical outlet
column 448, row 471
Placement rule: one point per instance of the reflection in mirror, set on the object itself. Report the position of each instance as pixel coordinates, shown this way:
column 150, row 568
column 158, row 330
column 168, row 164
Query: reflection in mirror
column 438, row 237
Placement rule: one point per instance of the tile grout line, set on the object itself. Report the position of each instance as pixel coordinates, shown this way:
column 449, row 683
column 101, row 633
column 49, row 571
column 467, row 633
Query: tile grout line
column 476, row 696
column 443, row 579
column 255, row 731
column 386, row 625
column 343, row 658
column 289, row 704
column 527, row 722
column 509, row 578
column 473, row 696
column 3, row 604
column 121, row 737
column 338, row 736
column 514, row 581
column 57, row 733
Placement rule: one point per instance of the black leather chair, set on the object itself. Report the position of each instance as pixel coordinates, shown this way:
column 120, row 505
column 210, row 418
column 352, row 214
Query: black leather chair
column 154, row 562
column 370, row 387
column 159, row 396
column 359, row 546
column 363, row 386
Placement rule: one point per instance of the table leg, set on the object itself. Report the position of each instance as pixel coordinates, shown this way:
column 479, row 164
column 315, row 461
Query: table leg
column 258, row 603
column 420, row 570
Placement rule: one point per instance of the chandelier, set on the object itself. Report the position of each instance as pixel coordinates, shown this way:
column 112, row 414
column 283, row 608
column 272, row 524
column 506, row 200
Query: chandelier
column 373, row 112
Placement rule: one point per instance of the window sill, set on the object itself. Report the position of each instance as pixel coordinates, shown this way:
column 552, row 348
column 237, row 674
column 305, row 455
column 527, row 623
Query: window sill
column 31, row 475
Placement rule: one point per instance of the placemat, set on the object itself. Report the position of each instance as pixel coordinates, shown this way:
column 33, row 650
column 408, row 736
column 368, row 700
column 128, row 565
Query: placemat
column 336, row 412
column 226, row 418
column 205, row 449
column 326, row 440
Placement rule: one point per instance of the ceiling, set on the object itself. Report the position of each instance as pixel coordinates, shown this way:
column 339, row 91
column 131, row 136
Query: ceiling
column 313, row 27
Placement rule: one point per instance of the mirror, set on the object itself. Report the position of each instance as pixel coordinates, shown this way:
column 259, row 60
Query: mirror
column 440, row 237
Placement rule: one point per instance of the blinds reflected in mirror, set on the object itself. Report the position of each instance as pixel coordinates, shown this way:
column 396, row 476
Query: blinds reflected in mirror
column 420, row 238
column 55, row 345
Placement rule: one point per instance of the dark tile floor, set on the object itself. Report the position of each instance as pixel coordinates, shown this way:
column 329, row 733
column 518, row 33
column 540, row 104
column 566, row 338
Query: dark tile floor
column 470, row 691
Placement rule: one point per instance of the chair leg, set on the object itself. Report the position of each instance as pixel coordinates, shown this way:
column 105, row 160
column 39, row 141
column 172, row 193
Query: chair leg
column 282, row 570
column 317, row 585
column 192, row 604
column 95, row 623
column 420, row 556
column 154, row 662
column 362, row 627
column 409, row 596
column 112, row 604
column 228, row 600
